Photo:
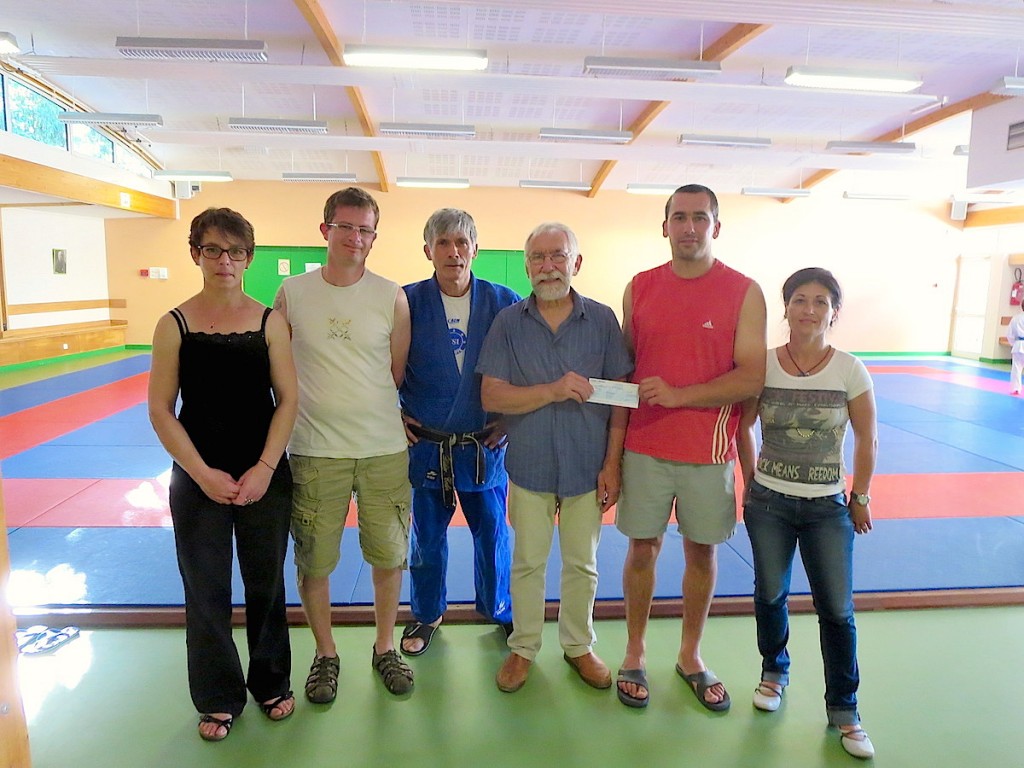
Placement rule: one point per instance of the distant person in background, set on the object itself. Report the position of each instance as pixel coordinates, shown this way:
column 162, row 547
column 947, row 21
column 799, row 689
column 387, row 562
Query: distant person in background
column 796, row 494
column 456, row 448
column 230, row 359
column 1015, row 335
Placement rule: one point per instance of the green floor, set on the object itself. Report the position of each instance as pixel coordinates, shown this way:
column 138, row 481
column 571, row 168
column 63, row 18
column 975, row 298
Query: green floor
column 940, row 688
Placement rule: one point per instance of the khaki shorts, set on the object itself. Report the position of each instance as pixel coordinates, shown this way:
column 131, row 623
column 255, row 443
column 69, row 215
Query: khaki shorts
column 321, row 493
column 704, row 496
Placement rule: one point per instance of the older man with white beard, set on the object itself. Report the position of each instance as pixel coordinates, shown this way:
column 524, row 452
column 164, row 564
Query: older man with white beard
column 564, row 453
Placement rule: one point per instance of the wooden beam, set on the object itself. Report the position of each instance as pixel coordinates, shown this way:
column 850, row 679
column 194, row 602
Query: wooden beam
column 321, row 27
column 978, row 101
column 14, row 751
column 734, row 39
column 33, row 177
column 995, row 217
column 65, row 306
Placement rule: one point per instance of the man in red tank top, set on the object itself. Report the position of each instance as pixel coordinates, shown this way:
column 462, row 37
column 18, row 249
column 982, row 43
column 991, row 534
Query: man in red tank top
column 697, row 330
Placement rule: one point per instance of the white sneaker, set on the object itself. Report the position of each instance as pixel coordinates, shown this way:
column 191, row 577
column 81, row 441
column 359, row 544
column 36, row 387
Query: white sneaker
column 856, row 742
column 766, row 698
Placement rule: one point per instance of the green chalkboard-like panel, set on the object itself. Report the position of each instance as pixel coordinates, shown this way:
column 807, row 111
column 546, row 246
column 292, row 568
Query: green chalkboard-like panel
column 264, row 275
column 504, row 268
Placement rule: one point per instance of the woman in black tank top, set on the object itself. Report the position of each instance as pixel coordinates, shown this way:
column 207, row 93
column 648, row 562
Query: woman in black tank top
column 229, row 359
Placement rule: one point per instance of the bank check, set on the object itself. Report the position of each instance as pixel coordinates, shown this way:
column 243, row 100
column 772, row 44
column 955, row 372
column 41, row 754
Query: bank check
column 609, row 392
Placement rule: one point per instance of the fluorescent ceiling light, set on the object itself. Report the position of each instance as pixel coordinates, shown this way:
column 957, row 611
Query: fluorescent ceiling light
column 427, row 130
column 192, row 176
column 109, row 118
column 192, row 49
column 620, row 66
column 431, row 182
column 8, row 44
column 652, row 189
column 586, row 134
column 327, row 178
column 871, row 147
column 580, row 186
column 1009, row 86
column 962, row 150
column 851, row 80
column 464, row 59
column 875, row 196
column 724, row 141
column 273, row 125
column 776, row 192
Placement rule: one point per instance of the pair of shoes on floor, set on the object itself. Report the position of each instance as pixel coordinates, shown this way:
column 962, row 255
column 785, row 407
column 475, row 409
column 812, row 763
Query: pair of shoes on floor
column 220, row 722
column 512, row 675
column 278, row 703
column 393, row 671
column 42, row 639
column 766, row 698
column 591, row 669
column 322, row 683
column 636, row 677
column 418, row 631
column 856, row 742
column 700, row 682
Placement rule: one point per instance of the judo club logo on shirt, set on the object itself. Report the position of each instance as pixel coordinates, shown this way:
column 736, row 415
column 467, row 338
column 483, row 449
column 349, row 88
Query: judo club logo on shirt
column 458, row 339
column 339, row 329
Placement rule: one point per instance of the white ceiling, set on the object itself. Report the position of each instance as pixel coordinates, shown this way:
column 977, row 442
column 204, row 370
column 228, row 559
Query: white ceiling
column 535, row 79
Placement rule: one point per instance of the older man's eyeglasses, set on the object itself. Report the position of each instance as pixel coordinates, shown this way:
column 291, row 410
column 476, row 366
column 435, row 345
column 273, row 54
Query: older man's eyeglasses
column 235, row 253
column 348, row 229
column 558, row 258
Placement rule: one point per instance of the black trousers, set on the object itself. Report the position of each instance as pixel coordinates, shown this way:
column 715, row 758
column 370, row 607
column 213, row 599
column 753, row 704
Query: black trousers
column 203, row 535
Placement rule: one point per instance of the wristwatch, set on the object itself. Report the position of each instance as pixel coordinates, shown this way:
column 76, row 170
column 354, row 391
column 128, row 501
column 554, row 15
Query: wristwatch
column 861, row 499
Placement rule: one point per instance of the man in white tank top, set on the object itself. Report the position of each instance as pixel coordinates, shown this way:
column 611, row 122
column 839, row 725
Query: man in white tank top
column 350, row 338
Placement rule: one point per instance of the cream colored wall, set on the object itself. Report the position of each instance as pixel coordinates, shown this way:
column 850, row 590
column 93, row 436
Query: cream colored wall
column 896, row 261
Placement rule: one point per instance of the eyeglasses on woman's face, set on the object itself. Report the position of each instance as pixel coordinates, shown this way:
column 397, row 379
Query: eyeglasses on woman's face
column 235, row 252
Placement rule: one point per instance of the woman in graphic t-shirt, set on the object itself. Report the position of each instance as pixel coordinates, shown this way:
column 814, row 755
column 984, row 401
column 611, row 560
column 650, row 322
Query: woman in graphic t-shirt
column 796, row 494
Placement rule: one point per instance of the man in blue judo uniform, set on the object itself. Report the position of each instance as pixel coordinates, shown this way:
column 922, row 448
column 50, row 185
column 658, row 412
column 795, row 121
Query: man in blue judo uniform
column 456, row 448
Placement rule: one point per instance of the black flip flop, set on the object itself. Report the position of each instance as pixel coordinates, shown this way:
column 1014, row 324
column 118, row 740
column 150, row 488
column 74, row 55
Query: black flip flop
column 424, row 632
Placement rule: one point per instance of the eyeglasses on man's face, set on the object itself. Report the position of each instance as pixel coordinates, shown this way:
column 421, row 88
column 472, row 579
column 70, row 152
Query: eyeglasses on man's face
column 558, row 258
column 235, row 253
column 349, row 229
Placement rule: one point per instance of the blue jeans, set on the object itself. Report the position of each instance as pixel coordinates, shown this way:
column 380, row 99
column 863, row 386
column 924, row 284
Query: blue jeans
column 776, row 523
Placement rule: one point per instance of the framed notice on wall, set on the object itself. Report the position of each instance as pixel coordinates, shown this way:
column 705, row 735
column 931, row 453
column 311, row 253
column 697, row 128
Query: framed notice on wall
column 60, row 261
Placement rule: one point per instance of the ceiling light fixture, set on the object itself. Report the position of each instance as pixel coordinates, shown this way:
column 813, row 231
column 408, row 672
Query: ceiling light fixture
column 8, row 44
column 427, row 130
column 273, row 125
column 651, row 189
column 875, row 196
column 776, row 192
column 871, row 147
column 320, row 178
column 579, row 186
column 192, row 49
column 619, row 66
column 110, row 118
column 461, row 59
column 192, row 176
column 851, row 80
column 587, row 134
column 431, row 182
column 724, row 141
column 1009, row 86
